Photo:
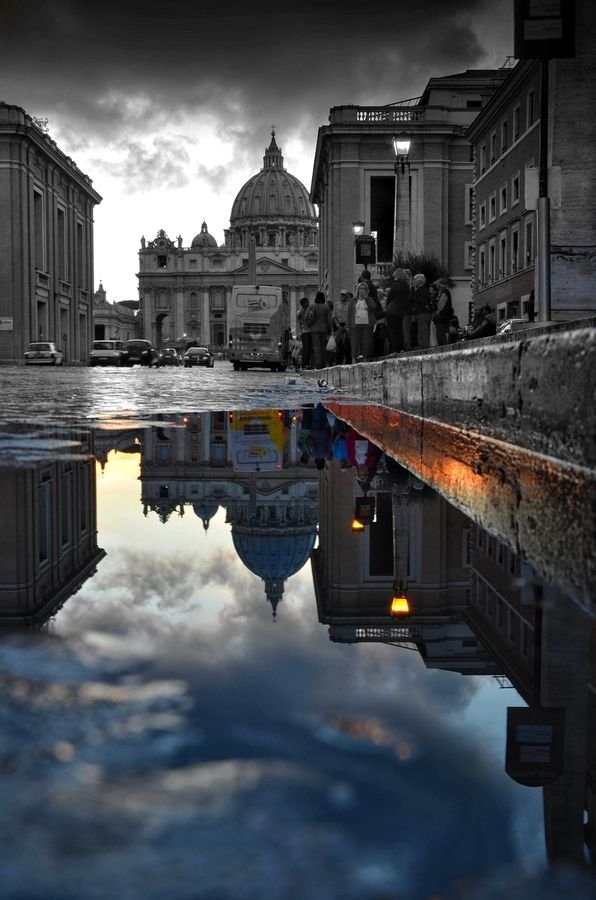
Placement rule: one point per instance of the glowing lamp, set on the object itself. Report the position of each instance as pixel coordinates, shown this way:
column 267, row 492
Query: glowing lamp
column 400, row 605
column 357, row 526
column 358, row 227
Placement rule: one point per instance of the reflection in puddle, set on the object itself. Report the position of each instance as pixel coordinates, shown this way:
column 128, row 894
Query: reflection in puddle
column 167, row 708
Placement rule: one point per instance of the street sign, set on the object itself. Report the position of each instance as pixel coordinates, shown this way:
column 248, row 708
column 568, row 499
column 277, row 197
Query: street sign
column 365, row 250
column 544, row 29
column 535, row 744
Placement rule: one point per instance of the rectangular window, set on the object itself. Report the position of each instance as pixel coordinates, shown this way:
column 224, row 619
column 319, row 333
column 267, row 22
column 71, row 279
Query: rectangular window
column 492, row 207
column 493, row 147
column 65, row 505
column 501, row 312
column 482, row 216
column 162, row 262
column 503, row 254
column 482, row 158
column 491, row 261
column 503, row 200
column 482, row 274
column 38, row 231
column 469, row 204
column 515, row 189
column 468, row 255
column 382, row 214
column 504, row 136
column 515, row 248
column 44, row 530
column 80, row 256
column 192, row 263
column 529, row 241
column 515, row 123
column 61, row 244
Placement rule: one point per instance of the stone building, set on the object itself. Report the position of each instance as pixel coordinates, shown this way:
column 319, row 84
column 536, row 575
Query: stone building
column 427, row 207
column 505, row 138
column 184, row 291
column 46, row 242
column 116, row 321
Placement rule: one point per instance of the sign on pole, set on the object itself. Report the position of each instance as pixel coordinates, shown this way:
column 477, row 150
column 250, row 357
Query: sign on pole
column 544, row 29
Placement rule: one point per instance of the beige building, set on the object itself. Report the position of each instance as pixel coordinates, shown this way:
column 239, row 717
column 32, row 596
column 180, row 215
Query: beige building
column 46, row 242
column 427, row 207
column 184, row 291
column 505, row 138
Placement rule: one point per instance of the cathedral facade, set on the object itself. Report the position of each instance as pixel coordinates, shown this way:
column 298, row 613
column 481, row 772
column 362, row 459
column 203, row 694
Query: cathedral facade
column 184, row 291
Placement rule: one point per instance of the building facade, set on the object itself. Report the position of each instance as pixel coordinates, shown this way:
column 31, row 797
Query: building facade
column 426, row 208
column 184, row 291
column 116, row 321
column 506, row 143
column 46, row 242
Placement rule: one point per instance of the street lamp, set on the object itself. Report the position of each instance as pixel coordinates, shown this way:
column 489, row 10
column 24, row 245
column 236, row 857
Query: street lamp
column 358, row 227
column 401, row 148
column 401, row 225
column 400, row 605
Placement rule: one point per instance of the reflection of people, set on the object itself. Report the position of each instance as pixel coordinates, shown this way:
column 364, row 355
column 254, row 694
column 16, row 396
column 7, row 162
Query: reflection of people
column 320, row 440
column 364, row 455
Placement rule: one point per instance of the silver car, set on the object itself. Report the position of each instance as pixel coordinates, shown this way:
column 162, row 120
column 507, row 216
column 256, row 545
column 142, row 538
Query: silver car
column 107, row 353
column 43, row 353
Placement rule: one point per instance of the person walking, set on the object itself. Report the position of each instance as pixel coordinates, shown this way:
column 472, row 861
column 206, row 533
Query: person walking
column 444, row 312
column 320, row 328
column 422, row 310
column 304, row 332
column 398, row 312
column 364, row 312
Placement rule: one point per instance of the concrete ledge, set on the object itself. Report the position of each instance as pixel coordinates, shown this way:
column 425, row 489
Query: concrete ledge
column 535, row 389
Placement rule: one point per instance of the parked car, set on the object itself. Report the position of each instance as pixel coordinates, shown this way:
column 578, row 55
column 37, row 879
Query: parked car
column 107, row 353
column 199, row 356
column 140, row 353
column 168, row 357
column 43, row 353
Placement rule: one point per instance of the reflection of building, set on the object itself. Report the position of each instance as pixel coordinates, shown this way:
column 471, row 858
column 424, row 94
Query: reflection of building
column 48, row 533
column 273, row 514
column 113, row 321
column 185, row 290
column 46, row 236
column 544, row 643
column 418, row 540
column 354, row 179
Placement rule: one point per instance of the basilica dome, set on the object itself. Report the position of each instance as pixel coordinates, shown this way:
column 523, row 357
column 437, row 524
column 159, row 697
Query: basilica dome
column 273, row 194
column 274, row 554
column 204, row 240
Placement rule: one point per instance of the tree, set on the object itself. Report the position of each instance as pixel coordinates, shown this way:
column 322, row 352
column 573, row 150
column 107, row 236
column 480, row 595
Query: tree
column 420, row 263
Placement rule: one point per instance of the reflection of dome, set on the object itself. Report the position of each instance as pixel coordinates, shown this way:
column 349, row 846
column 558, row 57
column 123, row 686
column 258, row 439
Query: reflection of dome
column 205, row 512
column 203, row 239
column 274, row 193
column 273, row 554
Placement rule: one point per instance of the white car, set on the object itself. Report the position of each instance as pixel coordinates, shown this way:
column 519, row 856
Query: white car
column 43, row 353
column 107, row 353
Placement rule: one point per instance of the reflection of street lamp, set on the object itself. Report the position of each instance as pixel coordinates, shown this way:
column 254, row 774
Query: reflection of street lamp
column 400, row 605
column 401, row 226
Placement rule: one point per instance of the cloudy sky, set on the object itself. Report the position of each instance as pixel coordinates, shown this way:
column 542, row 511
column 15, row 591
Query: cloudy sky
column 169, row 107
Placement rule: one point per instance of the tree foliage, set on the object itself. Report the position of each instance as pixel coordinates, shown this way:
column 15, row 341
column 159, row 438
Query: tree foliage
column 420, row 263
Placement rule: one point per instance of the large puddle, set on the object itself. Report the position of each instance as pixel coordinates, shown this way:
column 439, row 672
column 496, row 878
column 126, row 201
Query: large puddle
column 256, row 654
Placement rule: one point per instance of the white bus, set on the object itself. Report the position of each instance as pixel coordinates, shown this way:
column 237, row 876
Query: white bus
column 259, row 328
column 258, row 439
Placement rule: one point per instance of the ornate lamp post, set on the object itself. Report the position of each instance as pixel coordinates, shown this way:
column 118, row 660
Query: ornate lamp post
column 401, row 229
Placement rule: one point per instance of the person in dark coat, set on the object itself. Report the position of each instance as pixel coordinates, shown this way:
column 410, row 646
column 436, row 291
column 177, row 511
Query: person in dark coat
column 398, row 312
column 320, row 329
column 444, row 312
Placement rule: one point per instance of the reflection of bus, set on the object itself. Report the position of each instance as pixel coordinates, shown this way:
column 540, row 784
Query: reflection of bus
column 258, row 438
column 259, row 328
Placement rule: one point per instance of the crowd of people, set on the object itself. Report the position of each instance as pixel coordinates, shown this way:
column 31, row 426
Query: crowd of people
column 369, row 322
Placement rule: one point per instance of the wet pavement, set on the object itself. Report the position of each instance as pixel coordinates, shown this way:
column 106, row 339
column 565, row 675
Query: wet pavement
column 204, row 691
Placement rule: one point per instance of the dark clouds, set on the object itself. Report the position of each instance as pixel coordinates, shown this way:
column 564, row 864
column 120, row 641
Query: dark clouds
column 117, row 66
